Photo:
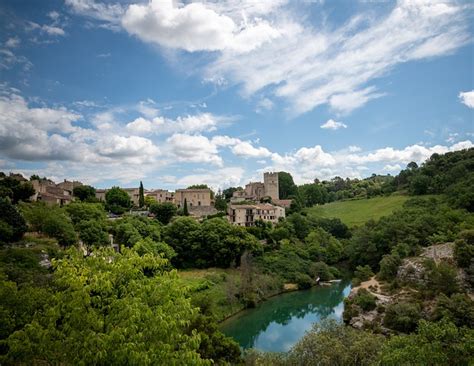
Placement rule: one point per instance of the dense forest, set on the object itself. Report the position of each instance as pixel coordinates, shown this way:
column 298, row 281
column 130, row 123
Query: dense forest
column 68, row 298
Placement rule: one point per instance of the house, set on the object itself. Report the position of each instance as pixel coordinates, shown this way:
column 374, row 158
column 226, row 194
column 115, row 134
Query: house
column 161, row 195
column 255, row 191
column 247, row 214
column 48, row 191
column 193, row 197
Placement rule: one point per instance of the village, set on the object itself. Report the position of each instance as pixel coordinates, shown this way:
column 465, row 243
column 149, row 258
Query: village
column 257, row 201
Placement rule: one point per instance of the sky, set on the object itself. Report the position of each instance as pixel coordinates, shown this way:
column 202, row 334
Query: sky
column 217, row 92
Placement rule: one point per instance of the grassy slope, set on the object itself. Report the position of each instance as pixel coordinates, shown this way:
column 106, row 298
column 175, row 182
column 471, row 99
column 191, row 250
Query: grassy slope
column 357, row 212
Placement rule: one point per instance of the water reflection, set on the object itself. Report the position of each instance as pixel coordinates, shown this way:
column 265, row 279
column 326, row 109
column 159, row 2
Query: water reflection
column 277, row 324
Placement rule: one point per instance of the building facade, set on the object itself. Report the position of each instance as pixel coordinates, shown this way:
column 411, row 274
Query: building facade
column 270, row 181
column 161, row 195
column 255, row 191
column 193, row 197
column 48, row 191
column 246, row 215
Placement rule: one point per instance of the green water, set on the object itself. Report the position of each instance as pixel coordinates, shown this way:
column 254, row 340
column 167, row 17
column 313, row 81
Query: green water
column 278, row 323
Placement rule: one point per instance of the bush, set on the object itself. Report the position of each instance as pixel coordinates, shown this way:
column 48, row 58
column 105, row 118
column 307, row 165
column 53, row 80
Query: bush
column 464, row 248
column 389, row 267
column 303, row 281
column 402, row 316
column 459, row 309
column 12, row 223
column 363, row 273
column 365, row 300
column 321, row 270
column 441, row 277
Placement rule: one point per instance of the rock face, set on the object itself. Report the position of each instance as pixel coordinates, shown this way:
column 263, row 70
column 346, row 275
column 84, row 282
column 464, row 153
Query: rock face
column 412, row 270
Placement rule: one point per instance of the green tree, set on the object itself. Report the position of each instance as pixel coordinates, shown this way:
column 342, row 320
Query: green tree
column 141, row 198
column 111, row 308
column 80, row 211
column 149, row 200
column 12, row 223
column 84, row 193
column 439, row 343
column 163, row 212
column 92, row 232
column 286, row 185
column 185, row 208
column 220, row 202
column 16, row 190
column 117, row 200
column 402, row 316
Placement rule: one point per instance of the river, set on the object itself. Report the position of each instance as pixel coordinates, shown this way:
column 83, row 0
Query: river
column 278, row 323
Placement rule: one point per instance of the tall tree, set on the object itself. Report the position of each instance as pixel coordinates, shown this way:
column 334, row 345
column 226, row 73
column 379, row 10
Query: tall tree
column 84, row 193
column 164, row 212
column 286, row 185
column 141, row 197
column 185, row 208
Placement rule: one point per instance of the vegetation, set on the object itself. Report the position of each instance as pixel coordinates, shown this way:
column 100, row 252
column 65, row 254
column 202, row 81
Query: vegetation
column 12, row 223
column 163, row 212
column 15, row 190
column 84, row 193
column 117, row 200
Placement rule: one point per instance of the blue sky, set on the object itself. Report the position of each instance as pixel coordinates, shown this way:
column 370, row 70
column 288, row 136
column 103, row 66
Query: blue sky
column 217, row 92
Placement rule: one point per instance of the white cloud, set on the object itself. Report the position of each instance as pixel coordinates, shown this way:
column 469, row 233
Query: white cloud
column 467, row 98
column 246, row 150
column 194, row 149
column 333, row 125
column 264, row 104
column 97, row 10
column 217, row 178
column 310, row 67
column 12, row 42
column 392, row 168
column 194, row 27
column 204, row 122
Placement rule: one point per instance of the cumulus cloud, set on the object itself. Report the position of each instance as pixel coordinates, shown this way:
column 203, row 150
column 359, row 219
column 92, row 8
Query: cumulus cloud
column 189, row 124
column 194, row 27
column 12, row 42
column 333, row 125
column 310, row 67
column 467, row 98
column 194, row 149
column 217, row 178
column 98, row 10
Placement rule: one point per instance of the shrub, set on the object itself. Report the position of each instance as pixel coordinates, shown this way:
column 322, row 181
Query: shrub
column 303, row 281
column 389, row 266
column 459, row 309
column 12, row 223
column 402, row 316
column 441, row 277
column 464, row 248
column 363, row 272
column 321, row 270
column 365, row 300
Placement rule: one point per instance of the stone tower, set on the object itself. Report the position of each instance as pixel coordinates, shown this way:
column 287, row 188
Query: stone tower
column 270, row 180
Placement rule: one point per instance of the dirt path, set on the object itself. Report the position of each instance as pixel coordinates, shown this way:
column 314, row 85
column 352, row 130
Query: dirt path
column 372, row 282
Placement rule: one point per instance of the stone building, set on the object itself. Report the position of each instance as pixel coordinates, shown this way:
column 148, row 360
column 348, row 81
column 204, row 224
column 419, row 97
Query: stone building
column 193, row 197
column 255, row 191
column 133, row 193
column 246, row 215
column 270, row 181
column 68, row 185
column 161, row 195
column 48, row 191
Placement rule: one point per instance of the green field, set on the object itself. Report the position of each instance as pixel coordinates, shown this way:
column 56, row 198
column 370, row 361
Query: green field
column 357, row 212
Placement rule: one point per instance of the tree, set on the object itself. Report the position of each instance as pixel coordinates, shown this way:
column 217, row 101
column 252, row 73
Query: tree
column 163, row 212
column 141, row 198
column 111, row 308
column 16, row 190
column 149, row 200
column 286, row 185
column 12, row 223
column 117, row 200
column 220, row 202
column 92, row 232
column 80, row 211
column 185, row 208
column 440, row 343
column 84, row 193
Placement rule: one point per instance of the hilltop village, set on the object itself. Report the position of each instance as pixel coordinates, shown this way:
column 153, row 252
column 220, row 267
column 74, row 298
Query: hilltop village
column 257, row 201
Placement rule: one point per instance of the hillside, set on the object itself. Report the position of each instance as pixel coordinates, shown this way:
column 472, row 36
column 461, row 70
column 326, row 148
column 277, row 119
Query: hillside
column 357, row 212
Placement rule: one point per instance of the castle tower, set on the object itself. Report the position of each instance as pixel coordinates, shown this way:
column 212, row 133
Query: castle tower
column 270, row 180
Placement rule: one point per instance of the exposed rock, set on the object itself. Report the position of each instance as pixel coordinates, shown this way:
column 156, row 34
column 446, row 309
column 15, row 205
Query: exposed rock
column 45, row 261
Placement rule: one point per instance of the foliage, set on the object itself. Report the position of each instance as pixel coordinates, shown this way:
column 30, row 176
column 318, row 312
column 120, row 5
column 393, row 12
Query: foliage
column 92, row 232
column 215, row 242
column 365, row 300
column 303, row 281
column 464, row 249
column 439, row 343
column 322, row 271
column 329, row 343
column 459, row 309
column 50, row 220
column 185, row 208
column 149, row 200
column 286, row 187
column 79, row 211
column 322, row 246
column 220, row 202
column 84, row 193
column 441, row 278
column 141, row 196
column 12, row 223
column 402, row 316
column 130, row 229
column 16, row 190
column 163, row 212
column 363, row 273
column 148, row 246
column 111, row 308
column 117, row 200
column 389, row 266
